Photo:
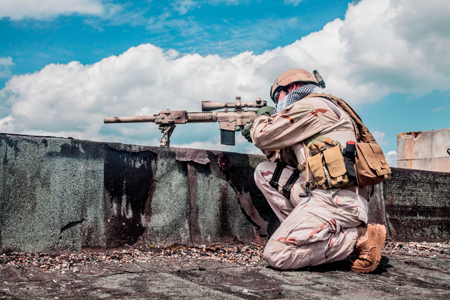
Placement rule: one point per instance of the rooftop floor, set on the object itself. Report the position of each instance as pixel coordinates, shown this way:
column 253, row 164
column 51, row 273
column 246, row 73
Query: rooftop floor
column 407, row 271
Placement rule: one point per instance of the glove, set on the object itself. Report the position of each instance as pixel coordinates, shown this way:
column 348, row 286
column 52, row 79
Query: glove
column 246, row 132
column 265, row 110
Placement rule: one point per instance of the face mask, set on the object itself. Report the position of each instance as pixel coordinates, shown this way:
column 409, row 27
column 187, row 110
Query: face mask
column 296, row 95
column 282, row 104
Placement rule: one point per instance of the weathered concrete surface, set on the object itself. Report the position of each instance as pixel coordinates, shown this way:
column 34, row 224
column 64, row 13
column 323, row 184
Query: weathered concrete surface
column 398, row 277
column 51, row 193
column 424, row 150
column 417, row 205
column 65, row 194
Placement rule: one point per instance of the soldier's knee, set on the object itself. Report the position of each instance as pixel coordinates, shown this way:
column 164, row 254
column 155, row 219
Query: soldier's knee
column 273, row 258
column 283, row 256
column 277, row 254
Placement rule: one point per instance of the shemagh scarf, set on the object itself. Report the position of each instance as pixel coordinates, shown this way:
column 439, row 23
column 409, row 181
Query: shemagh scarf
column 297, row 95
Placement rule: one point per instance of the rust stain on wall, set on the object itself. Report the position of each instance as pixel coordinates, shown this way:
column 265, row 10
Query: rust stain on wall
column 129, row 187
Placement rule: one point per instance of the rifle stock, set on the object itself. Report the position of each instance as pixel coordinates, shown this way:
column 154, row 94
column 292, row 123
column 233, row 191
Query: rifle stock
column 230, row 121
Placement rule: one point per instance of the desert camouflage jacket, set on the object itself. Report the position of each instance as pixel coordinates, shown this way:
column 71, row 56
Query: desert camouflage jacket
column 280, row 136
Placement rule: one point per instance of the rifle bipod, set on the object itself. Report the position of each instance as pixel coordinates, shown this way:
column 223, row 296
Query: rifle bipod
column 167, row 132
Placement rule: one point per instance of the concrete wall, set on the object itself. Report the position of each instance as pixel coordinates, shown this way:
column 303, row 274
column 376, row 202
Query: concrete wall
column 65, row 194
column 427, row 150
column 417, row 205
column 58, row 193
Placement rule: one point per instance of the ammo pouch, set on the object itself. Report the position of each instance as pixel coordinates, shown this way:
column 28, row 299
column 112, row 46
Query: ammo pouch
column 370, row 163
column 327, row 165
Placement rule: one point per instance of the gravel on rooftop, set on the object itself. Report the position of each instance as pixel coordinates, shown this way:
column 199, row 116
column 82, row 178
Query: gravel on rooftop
column 243, row 255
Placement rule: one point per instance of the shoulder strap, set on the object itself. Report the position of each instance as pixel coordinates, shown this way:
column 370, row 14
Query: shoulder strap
column 362, row 132
column 315, row 139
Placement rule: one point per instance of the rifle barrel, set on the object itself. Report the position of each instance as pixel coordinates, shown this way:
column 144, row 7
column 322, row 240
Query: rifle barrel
column 130, row 119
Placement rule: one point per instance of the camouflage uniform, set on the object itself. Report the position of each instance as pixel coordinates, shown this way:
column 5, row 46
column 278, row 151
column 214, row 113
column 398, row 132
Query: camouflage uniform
column 321, row 227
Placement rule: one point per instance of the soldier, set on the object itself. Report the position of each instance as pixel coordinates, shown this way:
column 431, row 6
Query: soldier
column 321, row 225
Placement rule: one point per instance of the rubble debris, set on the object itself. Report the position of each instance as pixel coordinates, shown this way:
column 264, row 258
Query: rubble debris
column 241, row 255
column 249, row 255
column 423, row 249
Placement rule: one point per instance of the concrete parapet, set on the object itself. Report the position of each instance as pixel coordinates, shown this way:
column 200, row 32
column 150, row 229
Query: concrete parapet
column 424, row 150
column 65, row 194
column 417, row 205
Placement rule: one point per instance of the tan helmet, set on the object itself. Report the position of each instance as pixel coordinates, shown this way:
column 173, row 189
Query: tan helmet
column 291, row 76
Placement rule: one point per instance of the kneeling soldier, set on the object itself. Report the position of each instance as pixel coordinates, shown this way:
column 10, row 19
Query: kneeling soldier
column 323, row 211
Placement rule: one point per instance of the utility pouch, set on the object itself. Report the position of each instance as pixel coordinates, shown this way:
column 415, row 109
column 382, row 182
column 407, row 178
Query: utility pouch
column 328, row 169
column 370, row 163
column 316, row 166
column 334, row 162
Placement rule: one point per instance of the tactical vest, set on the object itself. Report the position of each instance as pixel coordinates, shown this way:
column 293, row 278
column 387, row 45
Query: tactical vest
column 360, row 162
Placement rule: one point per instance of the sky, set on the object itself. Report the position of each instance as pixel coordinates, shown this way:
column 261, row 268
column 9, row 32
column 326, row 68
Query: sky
column 67, row 64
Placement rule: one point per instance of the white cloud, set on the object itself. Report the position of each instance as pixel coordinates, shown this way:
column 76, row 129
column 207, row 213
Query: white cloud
column 370, row 54
column 19, row 9
column 379, row 137
column 163, row 24
column 5, row 63
column 242, row 145
column 293, row 2
column 7, row 124
column 183, row 6
column 441, row 108
column 391, row 158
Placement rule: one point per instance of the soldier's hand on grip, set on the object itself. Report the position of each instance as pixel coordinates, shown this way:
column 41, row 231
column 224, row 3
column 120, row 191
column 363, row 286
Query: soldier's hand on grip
column 246, row 132
column 265, row 110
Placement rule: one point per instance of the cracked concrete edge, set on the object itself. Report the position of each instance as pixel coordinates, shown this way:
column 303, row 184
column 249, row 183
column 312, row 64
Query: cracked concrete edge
column 65, row 194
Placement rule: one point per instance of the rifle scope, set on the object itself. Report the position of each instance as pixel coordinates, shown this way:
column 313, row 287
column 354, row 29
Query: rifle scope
column 211, row 105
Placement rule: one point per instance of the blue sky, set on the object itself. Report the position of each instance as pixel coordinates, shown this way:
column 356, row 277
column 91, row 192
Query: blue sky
column 66, row 64
column 226, row 28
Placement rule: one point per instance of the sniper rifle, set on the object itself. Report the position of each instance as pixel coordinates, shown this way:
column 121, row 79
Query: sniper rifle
column 230, row 121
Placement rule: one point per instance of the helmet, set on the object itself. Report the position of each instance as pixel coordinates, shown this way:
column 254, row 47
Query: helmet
column 291, row 76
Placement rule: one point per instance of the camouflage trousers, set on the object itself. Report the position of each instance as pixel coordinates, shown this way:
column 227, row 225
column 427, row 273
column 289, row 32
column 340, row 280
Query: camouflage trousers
column 320, row 228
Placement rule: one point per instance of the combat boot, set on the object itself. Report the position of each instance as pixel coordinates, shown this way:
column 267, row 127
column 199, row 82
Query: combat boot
column 370, row 241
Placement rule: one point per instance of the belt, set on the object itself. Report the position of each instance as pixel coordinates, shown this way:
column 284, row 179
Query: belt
column 362, row 191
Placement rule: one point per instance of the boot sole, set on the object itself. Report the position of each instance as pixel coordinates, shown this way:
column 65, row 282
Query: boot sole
column 381, row 238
